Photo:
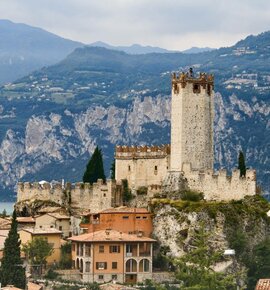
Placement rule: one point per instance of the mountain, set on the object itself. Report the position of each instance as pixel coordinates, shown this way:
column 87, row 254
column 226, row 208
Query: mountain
column 52, row 119
column 24, row 48
column 132, row 49
column 195, row 49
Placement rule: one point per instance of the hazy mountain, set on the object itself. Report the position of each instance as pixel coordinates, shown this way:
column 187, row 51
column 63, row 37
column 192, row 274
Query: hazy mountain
column 24, row 48
column 132, row 49
column 195, row 49
column 52, row 119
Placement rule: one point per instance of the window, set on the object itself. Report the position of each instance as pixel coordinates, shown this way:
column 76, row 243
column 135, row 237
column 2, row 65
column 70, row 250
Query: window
column 87, row 267
column 60, row 228
column 129, row 168
column 101, row 265
column 138, row 217
column 155, row 168
column 87, row 250
column 114, row 265
column 100, row 277
column 145, row 217
column 114, row 249
column 114, row 277
column 101, row 248
column 104, row 194
column 125, row 217
column 196, row 88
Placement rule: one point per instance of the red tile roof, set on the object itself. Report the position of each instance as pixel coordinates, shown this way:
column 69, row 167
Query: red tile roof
column 109, row 236
column 263, row 284
column 42, row 231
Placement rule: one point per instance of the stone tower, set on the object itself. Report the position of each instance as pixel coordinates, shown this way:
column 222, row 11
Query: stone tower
column 192, row 115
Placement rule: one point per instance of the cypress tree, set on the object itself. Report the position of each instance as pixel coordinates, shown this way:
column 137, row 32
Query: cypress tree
column 113, row 170
column 242, row 164
column 94, row 169
column 12, row 270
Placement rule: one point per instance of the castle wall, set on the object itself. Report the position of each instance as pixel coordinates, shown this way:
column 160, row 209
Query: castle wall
column 141, row 166
column 218, row 186
column 192, row 114
column 96, row 197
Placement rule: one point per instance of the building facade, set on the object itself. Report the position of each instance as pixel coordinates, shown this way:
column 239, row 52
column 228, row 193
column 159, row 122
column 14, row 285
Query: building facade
column 53, row 237
column 110, row 255
column 125, row 219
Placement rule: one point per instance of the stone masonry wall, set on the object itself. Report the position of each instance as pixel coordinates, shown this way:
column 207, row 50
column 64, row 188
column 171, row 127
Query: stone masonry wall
column 94, row 197
column 142, row 165
column 219, row 186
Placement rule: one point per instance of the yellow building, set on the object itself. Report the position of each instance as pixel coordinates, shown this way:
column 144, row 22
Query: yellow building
column 110, row 255
column 55, row 220
column 53, row 236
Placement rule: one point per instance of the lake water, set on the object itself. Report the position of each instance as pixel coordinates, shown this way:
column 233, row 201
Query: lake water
column 8, row 206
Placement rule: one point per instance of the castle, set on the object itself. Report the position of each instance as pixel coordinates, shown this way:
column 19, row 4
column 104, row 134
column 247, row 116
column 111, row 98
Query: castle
column 187, row 163
column 80, row 196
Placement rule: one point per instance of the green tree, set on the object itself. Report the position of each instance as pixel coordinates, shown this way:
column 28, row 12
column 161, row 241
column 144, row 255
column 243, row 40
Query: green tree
column 12, row 271
column 94, row 169
column 259, row 266
column 4, row 213
column 37, row 251
column 113, row 170
column 195, row 269
column 127, row 196
column 65, row 258
column 242, row 164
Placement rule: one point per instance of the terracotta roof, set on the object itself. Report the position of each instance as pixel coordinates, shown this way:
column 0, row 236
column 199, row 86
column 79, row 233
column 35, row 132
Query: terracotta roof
column 263, row 284
column 109, row 236
column 33, row 286
column 5, row 223
column 3, row 236
column 59, row 216
column 47, row 231
column 27, row 219
column 10, row 287
column 125, row 209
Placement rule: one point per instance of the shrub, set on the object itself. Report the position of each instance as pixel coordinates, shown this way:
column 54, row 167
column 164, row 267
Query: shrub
column 142, row 190
column 191, row 195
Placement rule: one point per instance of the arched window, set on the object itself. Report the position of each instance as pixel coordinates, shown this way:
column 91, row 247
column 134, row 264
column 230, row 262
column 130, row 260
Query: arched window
column 131, row 265
column 81, row 266
column 144, row 265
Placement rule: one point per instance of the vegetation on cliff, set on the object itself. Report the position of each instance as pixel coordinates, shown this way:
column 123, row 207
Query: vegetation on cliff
column 240, row 225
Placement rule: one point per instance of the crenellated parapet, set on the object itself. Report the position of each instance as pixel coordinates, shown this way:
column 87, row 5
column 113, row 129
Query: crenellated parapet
column 97, row 196
column 220, row 186
column 141, row 152
column 203, row 82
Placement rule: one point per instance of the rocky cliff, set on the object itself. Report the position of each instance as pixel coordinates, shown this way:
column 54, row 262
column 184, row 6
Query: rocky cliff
column 57, row 145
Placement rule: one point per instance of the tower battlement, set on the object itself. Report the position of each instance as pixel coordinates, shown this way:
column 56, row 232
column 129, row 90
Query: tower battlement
column 137, row 152
column 203, row 82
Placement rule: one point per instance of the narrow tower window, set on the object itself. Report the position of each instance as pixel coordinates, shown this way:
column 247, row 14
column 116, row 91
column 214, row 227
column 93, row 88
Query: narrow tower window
column 196, row 88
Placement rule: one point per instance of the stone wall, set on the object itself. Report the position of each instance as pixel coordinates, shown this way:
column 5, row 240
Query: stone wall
column 80, row 195
column 142, row 166
column 220, row 186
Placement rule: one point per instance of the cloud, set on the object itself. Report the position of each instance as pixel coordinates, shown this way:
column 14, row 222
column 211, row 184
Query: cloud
column 173, row 24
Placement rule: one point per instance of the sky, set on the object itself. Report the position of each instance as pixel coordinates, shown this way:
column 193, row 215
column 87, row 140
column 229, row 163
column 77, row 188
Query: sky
column 171, row 24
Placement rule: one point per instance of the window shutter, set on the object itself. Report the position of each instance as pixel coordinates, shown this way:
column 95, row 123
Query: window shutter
column 105, row 265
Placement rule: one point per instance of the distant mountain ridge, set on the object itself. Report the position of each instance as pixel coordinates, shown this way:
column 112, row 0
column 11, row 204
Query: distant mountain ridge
column 132, row 49
column 24, row 48
column 195, row 49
